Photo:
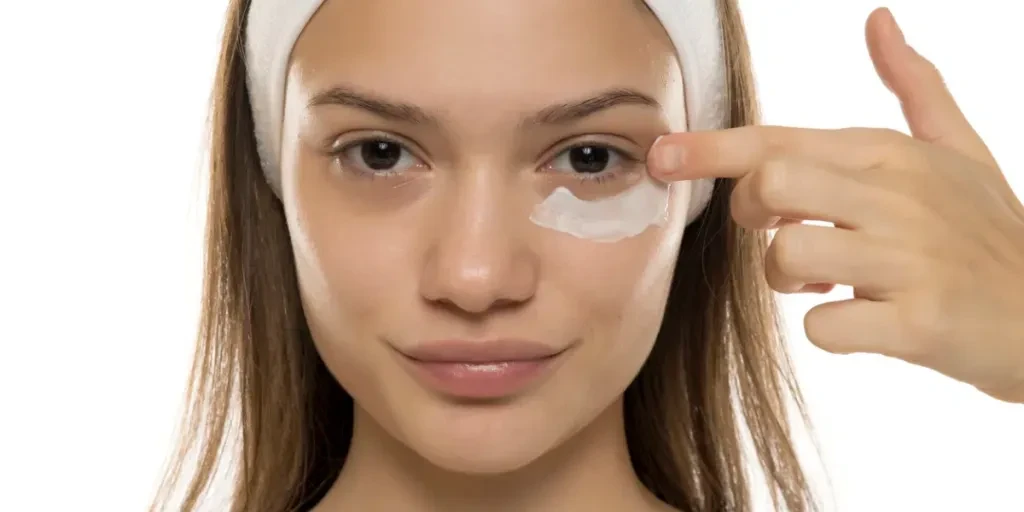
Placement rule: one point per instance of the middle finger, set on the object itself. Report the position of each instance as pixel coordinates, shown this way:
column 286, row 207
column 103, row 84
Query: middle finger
column 801, row 190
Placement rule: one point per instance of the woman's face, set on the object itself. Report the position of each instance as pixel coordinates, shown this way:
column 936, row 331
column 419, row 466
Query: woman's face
column 418, row 138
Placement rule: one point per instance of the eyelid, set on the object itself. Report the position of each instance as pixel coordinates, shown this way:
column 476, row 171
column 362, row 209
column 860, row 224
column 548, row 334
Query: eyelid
column 339, row 143
column 594, row 139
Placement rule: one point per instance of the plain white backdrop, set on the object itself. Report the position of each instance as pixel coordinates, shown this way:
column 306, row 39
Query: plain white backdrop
column 102, row 110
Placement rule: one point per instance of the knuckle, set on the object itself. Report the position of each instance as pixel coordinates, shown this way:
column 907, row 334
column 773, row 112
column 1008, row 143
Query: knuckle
column 773, row 274
column 927, row 322
column 788, row 249
column 886, row 142
column 874, row 136
column 930, row 70
column 820, row 327
column 774, row 143
column 890, row 136
column 815, row 328
column 910, row 157
column 904, row 155
column 886, row 147
column 858, row 133
column 772, row 185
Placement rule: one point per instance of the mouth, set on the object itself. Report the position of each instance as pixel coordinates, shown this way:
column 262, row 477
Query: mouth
column 481, row 370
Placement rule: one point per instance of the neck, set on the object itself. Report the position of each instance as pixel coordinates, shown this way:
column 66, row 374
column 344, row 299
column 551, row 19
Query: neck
column 591, row 471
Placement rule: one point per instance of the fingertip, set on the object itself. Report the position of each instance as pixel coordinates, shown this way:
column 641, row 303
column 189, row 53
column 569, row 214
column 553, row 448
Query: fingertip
column 666, row 159
column 817, row 288
column 887, row 46
column 892, row 27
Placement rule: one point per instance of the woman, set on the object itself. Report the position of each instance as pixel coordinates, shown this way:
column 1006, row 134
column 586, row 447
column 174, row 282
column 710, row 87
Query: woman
column 397, row 331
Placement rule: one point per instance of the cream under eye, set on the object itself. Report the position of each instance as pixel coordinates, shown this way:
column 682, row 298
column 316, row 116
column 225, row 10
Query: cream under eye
column 376, row 157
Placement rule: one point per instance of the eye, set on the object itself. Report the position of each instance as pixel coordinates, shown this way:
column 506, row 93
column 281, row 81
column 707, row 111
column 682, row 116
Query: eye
column 378, row 157
column 589, row 160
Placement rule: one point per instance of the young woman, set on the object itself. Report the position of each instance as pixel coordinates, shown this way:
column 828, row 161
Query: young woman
column 389, row 324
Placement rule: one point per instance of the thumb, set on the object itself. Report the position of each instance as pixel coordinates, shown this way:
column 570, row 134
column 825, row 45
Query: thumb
column 931, row 112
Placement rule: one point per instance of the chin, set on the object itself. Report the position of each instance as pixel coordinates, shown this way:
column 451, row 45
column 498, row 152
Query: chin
column 484, row 441
column 480, row 460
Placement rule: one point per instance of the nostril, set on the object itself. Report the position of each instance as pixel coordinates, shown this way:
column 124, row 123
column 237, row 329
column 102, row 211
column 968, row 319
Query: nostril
column 478, row 265
column 474, row 312
column 480, row 289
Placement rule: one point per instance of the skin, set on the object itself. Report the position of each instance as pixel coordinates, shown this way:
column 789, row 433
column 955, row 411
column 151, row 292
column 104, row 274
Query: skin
column 445, row 249
column 897, row 202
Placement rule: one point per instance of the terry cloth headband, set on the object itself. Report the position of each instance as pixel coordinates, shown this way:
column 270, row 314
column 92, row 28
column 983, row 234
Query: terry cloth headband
column 273, row 27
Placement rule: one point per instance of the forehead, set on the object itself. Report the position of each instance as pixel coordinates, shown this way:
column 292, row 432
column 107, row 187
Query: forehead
column 484, row 48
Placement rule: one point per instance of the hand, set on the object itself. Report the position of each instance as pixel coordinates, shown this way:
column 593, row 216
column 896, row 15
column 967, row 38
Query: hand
column 927, row 230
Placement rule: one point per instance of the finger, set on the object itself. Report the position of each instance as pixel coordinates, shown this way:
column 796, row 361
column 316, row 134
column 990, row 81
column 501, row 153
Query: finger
column 736, row 152
column 731, row 153
column 931, row 112
column 819, row 288
column 804, row 254
column 855, row 325
column 778, row 222
column 797, row 190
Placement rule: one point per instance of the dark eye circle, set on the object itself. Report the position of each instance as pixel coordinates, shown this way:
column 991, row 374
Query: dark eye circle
column 380, row 155
column 589, row 159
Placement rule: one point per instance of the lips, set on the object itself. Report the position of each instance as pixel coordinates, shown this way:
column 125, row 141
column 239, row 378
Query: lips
column 480, row 369
column 458, row 351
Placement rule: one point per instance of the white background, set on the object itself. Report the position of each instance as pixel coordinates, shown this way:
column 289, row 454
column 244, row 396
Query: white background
column 102, row 105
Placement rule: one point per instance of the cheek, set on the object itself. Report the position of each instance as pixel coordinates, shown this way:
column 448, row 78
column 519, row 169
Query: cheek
column 354, row 271
column 618, row 292
column 609, row 284
column 353, row 261
column 348, row 271
column 621, row 282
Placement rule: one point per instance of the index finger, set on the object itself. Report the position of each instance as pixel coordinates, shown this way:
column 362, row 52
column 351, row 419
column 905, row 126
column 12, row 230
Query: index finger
column 735, row 152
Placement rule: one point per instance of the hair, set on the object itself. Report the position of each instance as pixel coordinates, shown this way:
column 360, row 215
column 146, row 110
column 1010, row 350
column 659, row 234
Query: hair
column 719, row 369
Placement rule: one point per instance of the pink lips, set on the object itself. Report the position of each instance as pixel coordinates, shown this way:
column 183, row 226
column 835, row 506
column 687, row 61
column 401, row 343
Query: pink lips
column 480, row 369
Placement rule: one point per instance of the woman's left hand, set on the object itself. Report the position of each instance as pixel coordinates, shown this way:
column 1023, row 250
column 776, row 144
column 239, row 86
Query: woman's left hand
column 927, row 230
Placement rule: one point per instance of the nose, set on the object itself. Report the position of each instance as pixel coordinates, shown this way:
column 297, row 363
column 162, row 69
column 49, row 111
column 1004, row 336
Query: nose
column 477, row 262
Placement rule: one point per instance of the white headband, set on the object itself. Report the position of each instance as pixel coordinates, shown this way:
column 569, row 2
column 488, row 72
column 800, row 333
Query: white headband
column 273, row 27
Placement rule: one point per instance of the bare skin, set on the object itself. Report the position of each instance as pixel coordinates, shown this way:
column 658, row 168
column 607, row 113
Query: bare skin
column 440, row 246
column 927, row 230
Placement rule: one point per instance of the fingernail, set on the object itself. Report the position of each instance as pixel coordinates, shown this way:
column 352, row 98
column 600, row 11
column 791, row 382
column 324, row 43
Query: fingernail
column 667, row 157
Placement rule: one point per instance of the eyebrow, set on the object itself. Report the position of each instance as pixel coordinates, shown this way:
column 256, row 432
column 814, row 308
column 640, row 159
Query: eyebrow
column 574, row 111
column 561, row 113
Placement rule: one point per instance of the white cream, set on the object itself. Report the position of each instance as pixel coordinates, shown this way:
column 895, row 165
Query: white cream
column 609, row 219
column 273, row 26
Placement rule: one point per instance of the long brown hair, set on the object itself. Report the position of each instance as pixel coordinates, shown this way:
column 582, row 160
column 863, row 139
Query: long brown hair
column 718, row 368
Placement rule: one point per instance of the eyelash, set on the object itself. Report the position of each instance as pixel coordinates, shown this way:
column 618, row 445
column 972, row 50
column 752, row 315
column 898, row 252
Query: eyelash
column 339, row 153
column 627, row 161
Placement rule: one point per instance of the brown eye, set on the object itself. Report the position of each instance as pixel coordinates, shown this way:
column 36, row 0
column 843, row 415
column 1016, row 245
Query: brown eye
column 380, row 155
column 377, row 156
column 589, row 159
